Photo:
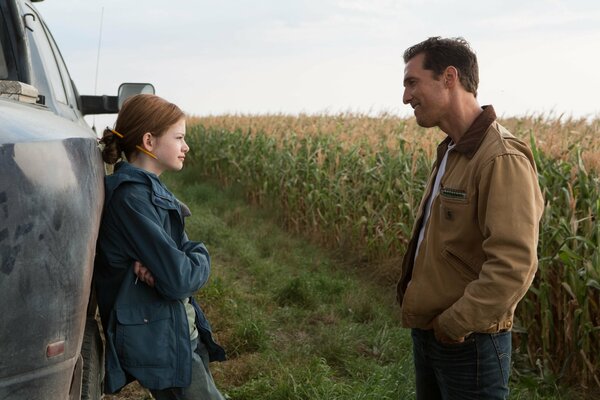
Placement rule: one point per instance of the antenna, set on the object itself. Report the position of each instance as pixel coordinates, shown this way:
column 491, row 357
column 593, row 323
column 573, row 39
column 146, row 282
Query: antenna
column 98, row 63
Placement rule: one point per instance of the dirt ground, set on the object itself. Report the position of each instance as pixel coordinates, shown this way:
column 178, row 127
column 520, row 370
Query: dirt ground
column 133, row 391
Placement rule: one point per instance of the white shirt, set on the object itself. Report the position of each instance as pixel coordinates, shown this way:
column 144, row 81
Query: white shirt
column 434, row 193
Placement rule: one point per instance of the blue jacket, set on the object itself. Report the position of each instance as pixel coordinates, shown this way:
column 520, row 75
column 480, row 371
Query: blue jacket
column 146, row 329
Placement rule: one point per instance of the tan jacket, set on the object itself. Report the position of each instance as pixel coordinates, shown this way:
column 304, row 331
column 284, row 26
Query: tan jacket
column 479, row 252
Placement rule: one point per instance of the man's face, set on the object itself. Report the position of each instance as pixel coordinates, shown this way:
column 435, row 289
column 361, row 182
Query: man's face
column 427, row 95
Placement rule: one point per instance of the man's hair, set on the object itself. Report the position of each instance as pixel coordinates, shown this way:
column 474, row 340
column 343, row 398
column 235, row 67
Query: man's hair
column 441, row 53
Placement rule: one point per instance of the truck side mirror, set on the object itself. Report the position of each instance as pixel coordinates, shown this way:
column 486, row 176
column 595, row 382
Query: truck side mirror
column 112, row 104
column 127, row 90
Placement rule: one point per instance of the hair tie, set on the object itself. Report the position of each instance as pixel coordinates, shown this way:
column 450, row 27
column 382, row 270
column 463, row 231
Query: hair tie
column 115, row 132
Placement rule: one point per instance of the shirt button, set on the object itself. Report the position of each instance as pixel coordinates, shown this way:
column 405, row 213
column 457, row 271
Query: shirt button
column 145, row 321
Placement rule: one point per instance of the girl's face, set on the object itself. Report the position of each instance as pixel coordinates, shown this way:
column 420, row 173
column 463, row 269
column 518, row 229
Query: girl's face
column 171, row 148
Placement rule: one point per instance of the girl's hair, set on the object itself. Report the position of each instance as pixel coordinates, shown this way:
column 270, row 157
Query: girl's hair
column 140, row 114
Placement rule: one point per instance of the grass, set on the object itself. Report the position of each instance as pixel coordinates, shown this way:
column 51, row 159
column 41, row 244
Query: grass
column 297, row 322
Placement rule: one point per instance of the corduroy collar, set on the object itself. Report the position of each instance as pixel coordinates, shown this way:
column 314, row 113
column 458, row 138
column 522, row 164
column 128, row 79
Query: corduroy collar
column 471, row 140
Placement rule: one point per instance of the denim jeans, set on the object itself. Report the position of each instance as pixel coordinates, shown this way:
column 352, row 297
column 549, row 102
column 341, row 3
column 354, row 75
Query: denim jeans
column 478, row 368
column 202, row 387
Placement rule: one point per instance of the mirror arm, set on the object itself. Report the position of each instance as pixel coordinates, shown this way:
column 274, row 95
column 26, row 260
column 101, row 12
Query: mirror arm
column 99, row 104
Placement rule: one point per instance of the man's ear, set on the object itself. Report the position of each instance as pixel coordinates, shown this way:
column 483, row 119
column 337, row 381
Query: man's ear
column 451, row 77
column 148, row 141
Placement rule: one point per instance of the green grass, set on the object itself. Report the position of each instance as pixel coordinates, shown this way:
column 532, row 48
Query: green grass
column 296, row 322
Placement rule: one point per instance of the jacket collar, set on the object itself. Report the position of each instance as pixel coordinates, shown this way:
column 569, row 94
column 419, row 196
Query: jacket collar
column 471, row 140
column 126, row 172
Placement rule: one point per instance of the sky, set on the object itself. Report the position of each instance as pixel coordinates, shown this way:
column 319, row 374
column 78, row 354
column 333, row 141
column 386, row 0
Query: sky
column 210, row 57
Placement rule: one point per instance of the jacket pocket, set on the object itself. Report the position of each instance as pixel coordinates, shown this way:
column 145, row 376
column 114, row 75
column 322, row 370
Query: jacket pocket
column 465, row 268
column 453, row 209
column 145, row 335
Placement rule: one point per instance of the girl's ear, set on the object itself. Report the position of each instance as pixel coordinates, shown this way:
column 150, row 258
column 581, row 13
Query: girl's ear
column 148, row 141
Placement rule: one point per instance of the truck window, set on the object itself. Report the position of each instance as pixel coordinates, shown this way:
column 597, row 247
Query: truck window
column 46, row 73
column 3, row 67
column 3, row 47
column 64, row 73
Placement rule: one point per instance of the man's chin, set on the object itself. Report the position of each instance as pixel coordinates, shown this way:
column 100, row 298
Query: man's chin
column 424, row 123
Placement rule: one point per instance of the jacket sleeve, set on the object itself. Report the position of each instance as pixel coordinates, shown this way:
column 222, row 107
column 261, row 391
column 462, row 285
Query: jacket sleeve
column 178, row 270
column 509, row 210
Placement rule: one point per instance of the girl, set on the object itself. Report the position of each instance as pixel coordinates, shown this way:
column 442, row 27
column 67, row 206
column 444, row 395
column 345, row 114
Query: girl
column 146, row 268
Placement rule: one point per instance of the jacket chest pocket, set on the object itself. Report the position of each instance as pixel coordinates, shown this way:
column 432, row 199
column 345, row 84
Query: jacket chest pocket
column 455, row 216
column 460, row 235
column 453, row 199
column 145, row 335
column 453, row 205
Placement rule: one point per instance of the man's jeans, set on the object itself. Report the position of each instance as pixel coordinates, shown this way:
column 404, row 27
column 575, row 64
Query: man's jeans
column 478, row 368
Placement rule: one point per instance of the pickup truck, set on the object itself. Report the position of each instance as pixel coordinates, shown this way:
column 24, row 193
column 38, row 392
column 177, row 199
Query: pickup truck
column 51, row 198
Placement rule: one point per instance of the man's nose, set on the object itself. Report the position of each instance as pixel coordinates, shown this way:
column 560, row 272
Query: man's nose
column 406, row 96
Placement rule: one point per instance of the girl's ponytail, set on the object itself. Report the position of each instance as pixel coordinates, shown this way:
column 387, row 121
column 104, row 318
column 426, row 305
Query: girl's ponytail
column 111, row 153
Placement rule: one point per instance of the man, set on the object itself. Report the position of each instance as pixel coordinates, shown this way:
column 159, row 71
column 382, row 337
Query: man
column 472, row 255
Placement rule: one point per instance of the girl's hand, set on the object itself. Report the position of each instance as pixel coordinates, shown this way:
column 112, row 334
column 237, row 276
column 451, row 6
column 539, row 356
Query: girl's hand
column 143, row 273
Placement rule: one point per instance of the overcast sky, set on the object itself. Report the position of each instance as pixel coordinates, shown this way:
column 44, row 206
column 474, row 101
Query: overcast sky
column 291, row 56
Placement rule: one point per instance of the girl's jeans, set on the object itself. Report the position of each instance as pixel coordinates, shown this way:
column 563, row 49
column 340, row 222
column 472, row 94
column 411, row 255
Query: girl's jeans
column 478, row 368
column 202, row 387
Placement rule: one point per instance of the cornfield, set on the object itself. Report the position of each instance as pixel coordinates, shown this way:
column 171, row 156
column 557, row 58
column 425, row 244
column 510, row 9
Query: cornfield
column 354, row 182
